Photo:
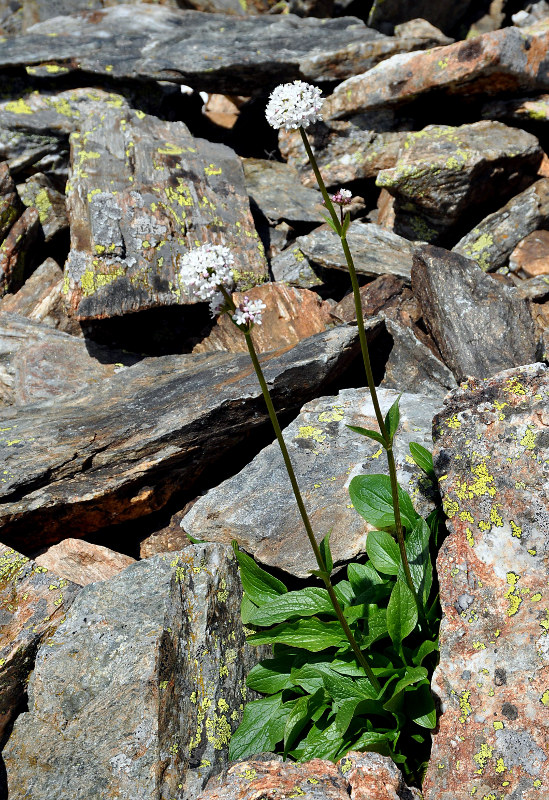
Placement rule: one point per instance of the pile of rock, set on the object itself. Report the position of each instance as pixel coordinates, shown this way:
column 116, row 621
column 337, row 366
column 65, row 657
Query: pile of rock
column 131, row 133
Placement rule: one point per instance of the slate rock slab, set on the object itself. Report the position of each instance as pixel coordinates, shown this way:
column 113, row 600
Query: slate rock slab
column 492, row 241
column 480, row 326
column 141, row 194
column 120, row 450
column 490, row 456
column 277, row 192
column 137, row 693
column 14, row 250
column 38, row 192
column 33, row 602
column 445, row 172
column 257, row 507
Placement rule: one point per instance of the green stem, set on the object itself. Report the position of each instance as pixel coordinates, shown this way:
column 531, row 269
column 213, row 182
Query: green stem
column 367, row 365
column 304, row 516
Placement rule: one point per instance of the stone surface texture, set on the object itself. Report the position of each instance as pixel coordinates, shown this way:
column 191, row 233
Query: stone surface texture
column 82, row 562
column 33, row 602
column 38, row 192
column 531, row 255
column 493, row 679
column 14, row 250
column 275, row 189
column 378, row 295
column 392, row 12
column 160, row 652
column 257, row 507
column 470, row 315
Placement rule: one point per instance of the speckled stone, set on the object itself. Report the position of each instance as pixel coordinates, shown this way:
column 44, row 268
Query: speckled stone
column 491, row 453
column 38, row 192
column 83, row 562
column 276, row 190
column 138, row 691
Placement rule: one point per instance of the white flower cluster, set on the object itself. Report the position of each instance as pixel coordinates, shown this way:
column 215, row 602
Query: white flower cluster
column 294, row 105
column 249, row 312
column 342, row 197
column 205, row 270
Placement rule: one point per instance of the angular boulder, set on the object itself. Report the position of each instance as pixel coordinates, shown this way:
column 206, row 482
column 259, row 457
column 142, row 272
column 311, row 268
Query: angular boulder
column 83, row 562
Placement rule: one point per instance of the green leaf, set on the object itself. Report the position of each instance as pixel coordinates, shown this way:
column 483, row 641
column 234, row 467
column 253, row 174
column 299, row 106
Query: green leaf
column 300, row 715
column 423, row 459
column 319, row 743
column 346, row 223
column 344, row 593
column 247, row 608
column 420, row 706
column 377, row 625
column 330, row 222
column 341, row 688
column 309, row 634
column 401, row 613
column 371, row 741
column 367, row 432
column 259, row 585
column 262, row 727
column 426, row 648
column 362, row 577
column 383, row 552
column 411, row 676
column 302, row 603
column 372, row 498
column 392, row 419
column 419, row 559
column 270, row 676
column 326, row 553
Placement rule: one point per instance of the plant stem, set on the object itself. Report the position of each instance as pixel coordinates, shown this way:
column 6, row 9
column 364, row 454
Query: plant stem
column 304, row 516
column 367, row 365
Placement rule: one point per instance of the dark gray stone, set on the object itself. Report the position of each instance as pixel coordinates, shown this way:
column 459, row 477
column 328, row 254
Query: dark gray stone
column 445, row 16
column 276, row 190
column 38, row 192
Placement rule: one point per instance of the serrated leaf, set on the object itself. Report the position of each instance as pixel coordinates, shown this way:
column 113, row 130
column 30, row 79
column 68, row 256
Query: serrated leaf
column 301, row 603
column 326, row 553
column 392, row 419
column 423, row 459
column 401, row 613
column 377, row 437
column 420, row 706
column 270, row 676
column 261, row 729
column 309, row 634
column 259, row 585
column 372, row 498
column 301, row 714
column 383, row 552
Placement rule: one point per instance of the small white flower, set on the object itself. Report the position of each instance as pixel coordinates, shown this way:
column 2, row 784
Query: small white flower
column 294, row 105
column 342, row 197
column 249, row 312
column 216, row 304
column 205, row 270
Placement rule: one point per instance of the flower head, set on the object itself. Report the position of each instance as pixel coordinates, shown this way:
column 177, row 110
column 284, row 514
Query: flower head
column 294, row 105
column 249, row 312
column 342, row 197
column 205, row 270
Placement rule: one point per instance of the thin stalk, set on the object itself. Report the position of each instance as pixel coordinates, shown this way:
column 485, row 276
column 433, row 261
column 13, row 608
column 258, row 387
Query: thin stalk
column 304, row 516
column 367, row 364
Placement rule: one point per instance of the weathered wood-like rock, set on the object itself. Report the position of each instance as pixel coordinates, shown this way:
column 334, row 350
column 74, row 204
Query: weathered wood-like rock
column 120, row 451
column 491, row 242
column 291, row 315
column 501, row 61
column 14, row 250
column 491, row 450
column 276, row 190
column 382, row 293
column 142, row 193
column 38, row 192
column 444, row 173
column 10, row 204
column 357, row 775
column 257, row 507
column 479, row 325
column 137, row 693
column 33, row 602
column 82, row 562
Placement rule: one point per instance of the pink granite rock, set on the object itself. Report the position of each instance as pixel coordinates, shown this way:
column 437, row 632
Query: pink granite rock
column 82, row 562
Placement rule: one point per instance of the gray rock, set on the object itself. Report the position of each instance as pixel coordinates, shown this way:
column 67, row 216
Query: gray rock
column 479, row 325
column 14, row 250
column 492, row 241
column 142, row 193
column 536, row 12
column 138, row 691
column 10, row 204
column 38, row 192
column 293, row 268
column 391, row 12
column 120, row 449
column 257, row 507
column 444, row 172
column 276, row 190
column 375, row 250
column 528, row 112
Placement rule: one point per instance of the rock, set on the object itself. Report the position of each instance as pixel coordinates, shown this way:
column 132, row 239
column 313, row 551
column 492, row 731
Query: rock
column 291, row 267
column 139, row 690
column 470, row 315
column 120, row 449
column 14, row 250
column 257, row 507
column 33, row 602
column 531, row 255
column 142, row 192
column 382, row 293
column 445, row 175
column 38, row 192
column 492, row 241
column 276, row 190
column 10, row 205
column 41, row 299
column 528, row 112
column 166, row 538
column 386, row 13
column 536, row 12
column 502, row 61
column 490, row 451
column 375, row 250
column 534, row 288
column 357, row 775
column 82, row 562
column 39, row 364
column 422, row 29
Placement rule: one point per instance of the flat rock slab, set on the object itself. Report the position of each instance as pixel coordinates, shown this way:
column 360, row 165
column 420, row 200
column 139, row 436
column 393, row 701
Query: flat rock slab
column 33, row 602
column 492, row 241
column 83, row 562
column 444, row 172
column 490, row 456
column 257, row 507
column 150, row 42
column 137, row 693
column 470, row 315
column 509, row 60
column 120, row 451
column 143, row 192
column 375, row 250
column 357, row 775
column 276, row 190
